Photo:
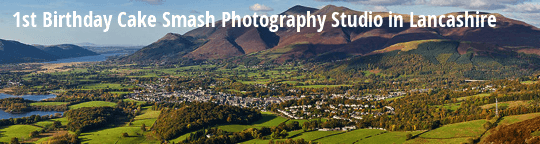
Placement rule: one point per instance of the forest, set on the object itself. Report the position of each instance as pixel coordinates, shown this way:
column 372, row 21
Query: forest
column 174, row 122
column 88, row 118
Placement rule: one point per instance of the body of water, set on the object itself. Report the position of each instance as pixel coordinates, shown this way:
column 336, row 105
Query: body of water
column 96, row 58
column 6, row 115
column 28, row 97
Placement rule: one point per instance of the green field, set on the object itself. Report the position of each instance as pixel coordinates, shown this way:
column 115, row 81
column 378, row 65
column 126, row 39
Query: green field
column 389, row 137
column 313, row 135
column 308, row 136
column 529, row 82
column 268, row 120
column 464, row 129
column 322, row 86
column 478, row 95
column 114, row 135
column 20, row 131
column 450, row 106
column 350, row 137
column 93, row 104
column 452, row 133
column 104, row 86
column 130, row 100
column 518, row 118
column 437, row 141
column 46, row 123
column 119, row 93
column 48, row 103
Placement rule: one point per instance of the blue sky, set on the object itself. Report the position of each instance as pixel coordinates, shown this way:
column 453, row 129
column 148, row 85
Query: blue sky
column 525, row 10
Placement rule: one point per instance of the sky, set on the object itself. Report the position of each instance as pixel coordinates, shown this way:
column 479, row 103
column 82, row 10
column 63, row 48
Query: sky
column 524, row 10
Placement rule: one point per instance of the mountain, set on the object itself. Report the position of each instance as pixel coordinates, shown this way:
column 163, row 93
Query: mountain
column 333, row 43
column 66, row 51
column 170, row 46
column 16, row 52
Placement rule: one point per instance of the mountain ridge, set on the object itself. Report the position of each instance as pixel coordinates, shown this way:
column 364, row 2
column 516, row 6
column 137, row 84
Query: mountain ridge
column 340, row 42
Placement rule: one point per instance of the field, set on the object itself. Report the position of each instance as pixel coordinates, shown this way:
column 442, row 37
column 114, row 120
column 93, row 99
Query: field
column 388, row 137
column 48, row 103
column 308, row 136
column 452, row 133
column 517, row 118
column 268, row 120
column 507, row 120
column 46, row 123
column 478, row 95
column 114, row 134
column 450, row 106
column 508, row 104
column 326, row 137
column 322, row 86
column 104, row 86
column 130, row 100
column 349, row 137
column 93, row 104
column 529, row 82
column 20, row 131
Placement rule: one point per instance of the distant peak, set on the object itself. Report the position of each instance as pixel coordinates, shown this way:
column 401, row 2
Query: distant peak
column 298, row 9
column 171, row 36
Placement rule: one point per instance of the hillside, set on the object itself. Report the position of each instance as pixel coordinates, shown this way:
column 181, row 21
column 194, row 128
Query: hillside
column 171, row 46
column 16, row 52
column 333, row 43
column 444, row 58
column 66, row 51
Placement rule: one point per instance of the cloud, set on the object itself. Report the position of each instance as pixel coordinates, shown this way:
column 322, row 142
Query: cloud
column 374, row 2
column 260, row 8
column 377, row 9
column 467, row 4
column 152, row 2
column 195, row 12
column 473, row 4
column 127, row 4
column 524, row 8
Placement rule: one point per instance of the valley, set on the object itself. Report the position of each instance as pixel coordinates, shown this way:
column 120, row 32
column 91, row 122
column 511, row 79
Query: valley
column 250, row 85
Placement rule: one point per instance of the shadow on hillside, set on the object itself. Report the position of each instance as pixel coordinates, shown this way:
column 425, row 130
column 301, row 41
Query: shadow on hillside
column 265, row 118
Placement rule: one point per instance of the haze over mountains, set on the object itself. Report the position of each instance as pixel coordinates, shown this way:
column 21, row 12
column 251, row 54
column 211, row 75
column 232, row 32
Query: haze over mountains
column 66, row 51
column 334, row 43
column 16, row 52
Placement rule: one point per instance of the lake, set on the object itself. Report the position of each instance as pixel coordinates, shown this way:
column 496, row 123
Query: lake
column 96, row 58
column 6, row 115
column 28, row 97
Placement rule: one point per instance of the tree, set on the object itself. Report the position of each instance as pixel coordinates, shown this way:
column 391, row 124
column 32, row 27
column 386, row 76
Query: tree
column 283, row 134
column 57, row 124
column 487, row 125
column 143, row 127
column 34, row 134
column 125, row 135
column 14, row 140
column 409, row 136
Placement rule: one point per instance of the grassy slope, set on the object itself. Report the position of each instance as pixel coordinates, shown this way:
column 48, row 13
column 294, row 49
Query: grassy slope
column 93, row 104
column 452, row 133
column 47, row 103
column 114, row 135
column 478, row 95
column 268, row 120
column 20, row 131
column 388, row 138
column 46, row 123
